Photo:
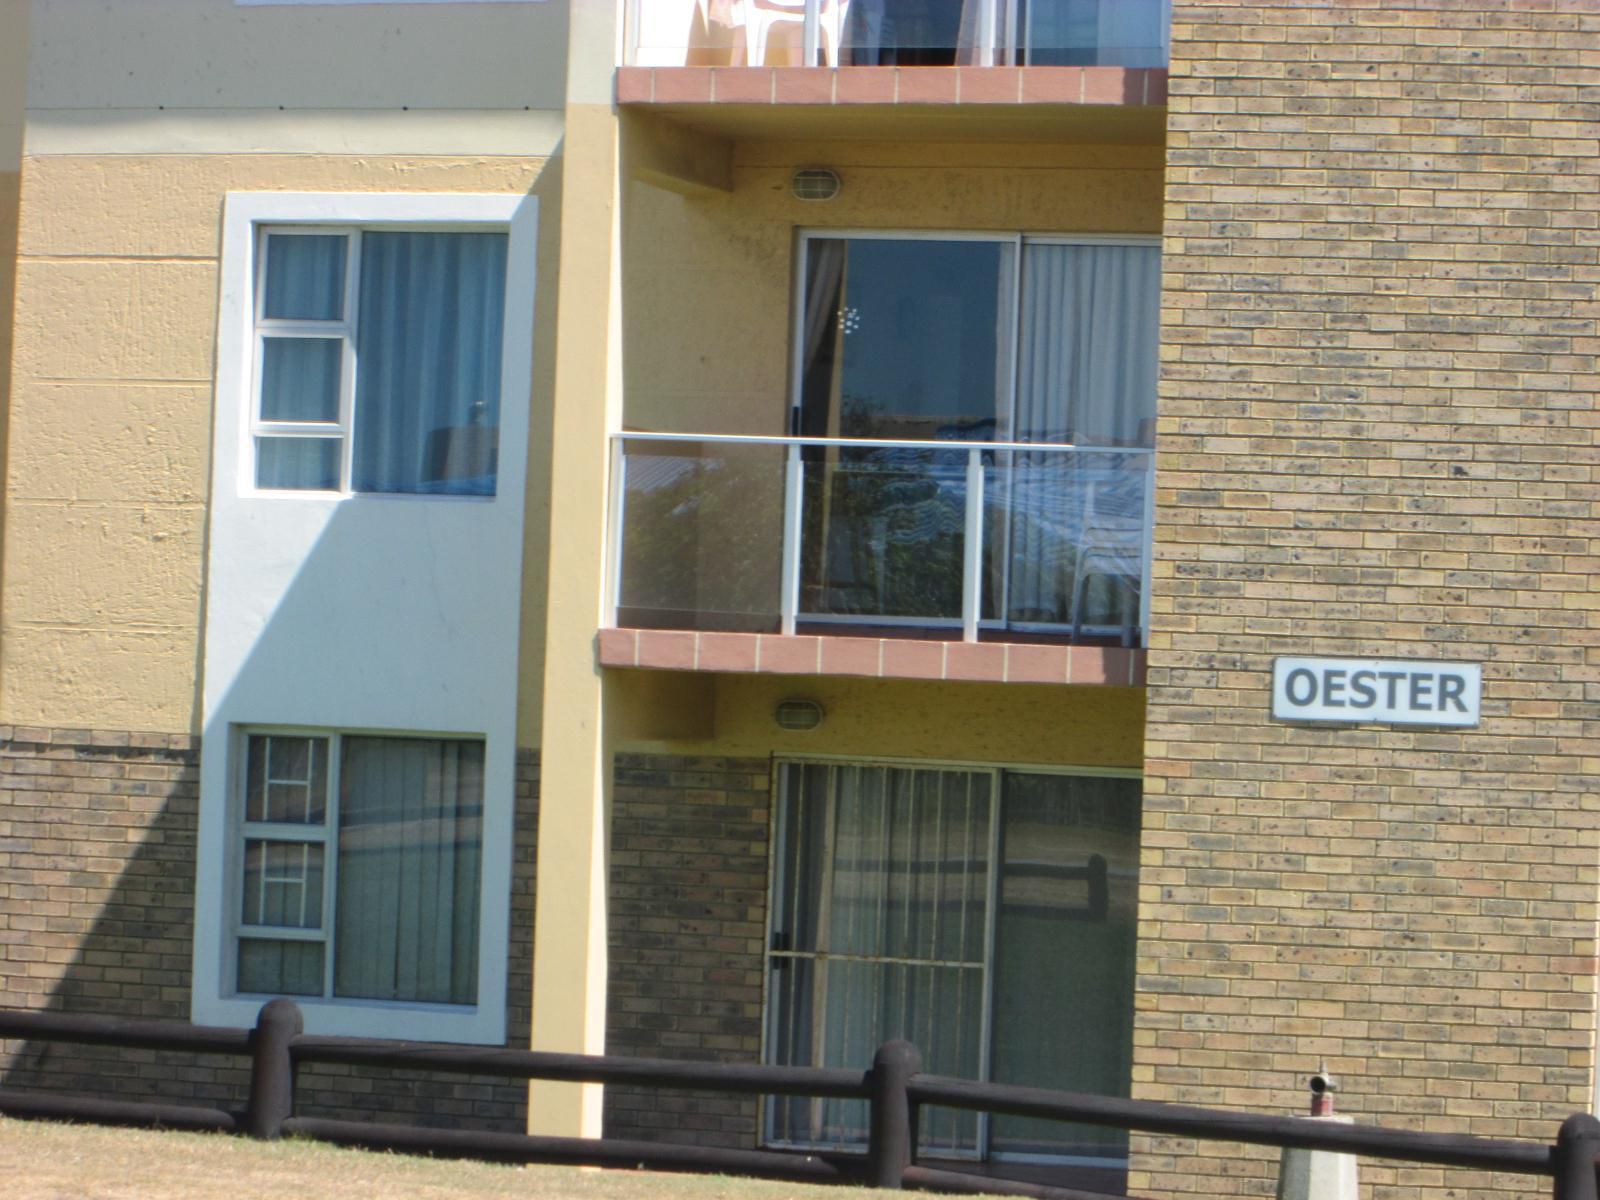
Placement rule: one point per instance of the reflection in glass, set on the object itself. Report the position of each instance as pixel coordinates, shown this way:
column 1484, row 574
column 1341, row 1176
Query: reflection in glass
column 280, row 968
column 1103, row 33
column 702, row 536
column 286, row 779
column 1076, row 529
column 884, row 531
column 906, row 338
column 282, row 884
column 1064, row 944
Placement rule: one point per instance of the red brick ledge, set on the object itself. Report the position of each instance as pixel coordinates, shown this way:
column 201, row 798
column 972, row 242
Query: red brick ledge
column 874, row 658
column 1129, row 86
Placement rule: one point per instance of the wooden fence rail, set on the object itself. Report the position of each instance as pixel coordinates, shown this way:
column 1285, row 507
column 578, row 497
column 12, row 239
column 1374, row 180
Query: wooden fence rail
column 894, row 1088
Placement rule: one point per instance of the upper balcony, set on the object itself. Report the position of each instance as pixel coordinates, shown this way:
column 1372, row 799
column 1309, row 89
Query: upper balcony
column 898, row 33
column 1053, row 70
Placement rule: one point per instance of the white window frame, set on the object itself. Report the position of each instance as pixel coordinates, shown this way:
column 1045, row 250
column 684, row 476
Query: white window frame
column 997, row 773
column 242, row 830
column 479, row 1023
column 342, row 330
column 252, row 217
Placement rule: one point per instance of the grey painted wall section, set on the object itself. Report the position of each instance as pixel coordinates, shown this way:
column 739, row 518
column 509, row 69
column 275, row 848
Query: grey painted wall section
column 218, row 55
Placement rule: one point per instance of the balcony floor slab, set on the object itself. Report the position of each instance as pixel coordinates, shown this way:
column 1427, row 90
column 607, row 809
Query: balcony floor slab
column 869, row 657
column 1071, row 104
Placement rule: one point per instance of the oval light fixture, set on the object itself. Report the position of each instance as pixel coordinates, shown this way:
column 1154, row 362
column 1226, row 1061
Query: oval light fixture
column 815, row 183
column 798, row 716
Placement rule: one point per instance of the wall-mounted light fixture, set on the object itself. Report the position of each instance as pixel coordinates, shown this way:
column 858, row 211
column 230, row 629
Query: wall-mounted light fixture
column 798, row 716
column 815, row 183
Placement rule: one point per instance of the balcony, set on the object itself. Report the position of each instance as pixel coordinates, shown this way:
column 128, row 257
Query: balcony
column 1025, row 547
column 898, row 33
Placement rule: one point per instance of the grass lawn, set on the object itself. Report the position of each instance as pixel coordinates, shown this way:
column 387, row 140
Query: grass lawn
column 42, row 1160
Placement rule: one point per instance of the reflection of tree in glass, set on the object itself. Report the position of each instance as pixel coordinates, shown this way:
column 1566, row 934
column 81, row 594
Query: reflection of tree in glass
column 703, row 539
column 884, row 533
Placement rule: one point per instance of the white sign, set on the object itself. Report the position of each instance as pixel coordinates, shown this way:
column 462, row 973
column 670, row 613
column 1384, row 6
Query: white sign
column 1360, row 691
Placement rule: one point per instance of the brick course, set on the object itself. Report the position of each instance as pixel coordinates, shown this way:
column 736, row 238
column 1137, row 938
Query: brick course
column 1377, row 438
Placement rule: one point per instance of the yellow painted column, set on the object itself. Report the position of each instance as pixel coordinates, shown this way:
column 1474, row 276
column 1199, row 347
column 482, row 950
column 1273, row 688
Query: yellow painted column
column 569, row 960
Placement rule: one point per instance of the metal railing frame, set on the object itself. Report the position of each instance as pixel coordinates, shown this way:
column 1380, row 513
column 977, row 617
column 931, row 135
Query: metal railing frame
column 789, row 614
column 894, row 1087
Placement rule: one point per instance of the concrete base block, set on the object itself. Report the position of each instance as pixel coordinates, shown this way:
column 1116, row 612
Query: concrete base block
column 1317, row 1174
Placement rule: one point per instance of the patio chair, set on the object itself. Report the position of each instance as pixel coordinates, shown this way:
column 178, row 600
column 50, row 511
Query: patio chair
column 760, row 16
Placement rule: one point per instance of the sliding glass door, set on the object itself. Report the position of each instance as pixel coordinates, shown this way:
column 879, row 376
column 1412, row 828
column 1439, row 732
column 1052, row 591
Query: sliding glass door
column 976, row 339
column 986, row 916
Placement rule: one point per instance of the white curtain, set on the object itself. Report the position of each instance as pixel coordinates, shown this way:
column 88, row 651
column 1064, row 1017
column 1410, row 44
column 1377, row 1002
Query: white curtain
column 429, row 329
column 885, row 890
column 1090, row 323
column 410, row 848
column 1086, row 376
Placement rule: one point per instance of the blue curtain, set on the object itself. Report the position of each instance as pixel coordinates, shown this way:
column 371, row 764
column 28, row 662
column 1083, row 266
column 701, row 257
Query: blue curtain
column 429, row 330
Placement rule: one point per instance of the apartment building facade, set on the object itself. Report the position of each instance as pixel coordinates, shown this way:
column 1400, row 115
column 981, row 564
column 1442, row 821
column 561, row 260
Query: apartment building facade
column 742, row 530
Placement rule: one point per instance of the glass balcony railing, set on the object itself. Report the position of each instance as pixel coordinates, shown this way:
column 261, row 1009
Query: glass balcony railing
column 980, row 540
column 1121, row 33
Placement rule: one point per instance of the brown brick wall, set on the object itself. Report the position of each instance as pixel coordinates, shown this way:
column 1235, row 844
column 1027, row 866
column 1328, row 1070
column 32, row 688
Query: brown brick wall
column 1376, row 439
column 97, row 851
column 688, row 918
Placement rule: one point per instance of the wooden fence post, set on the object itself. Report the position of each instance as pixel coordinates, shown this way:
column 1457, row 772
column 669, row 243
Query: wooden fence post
column 1577, row 1144
column 272, row 1068
column 891, row 1146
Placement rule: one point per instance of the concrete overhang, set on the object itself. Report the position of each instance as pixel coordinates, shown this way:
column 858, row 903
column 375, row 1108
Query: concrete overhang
column 1085, row 105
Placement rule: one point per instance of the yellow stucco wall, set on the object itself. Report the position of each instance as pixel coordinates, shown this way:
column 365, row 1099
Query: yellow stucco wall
column 111, row 419
column 708, row 278
column 1018, row 724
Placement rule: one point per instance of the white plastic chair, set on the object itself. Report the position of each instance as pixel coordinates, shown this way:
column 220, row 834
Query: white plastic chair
column 761, row 15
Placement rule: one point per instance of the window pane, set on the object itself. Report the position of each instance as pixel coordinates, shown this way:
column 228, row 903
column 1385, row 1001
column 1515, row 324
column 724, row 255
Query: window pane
column 283, row 884
column 428, row 388
column 410, row 849
column 300, row 378
column 1090, row 323
column 906, row 338
column 1106, row 33
column 299, row 463
column 1064, row 943
column 280, row 968
column 286, row 779
column 305, row 277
